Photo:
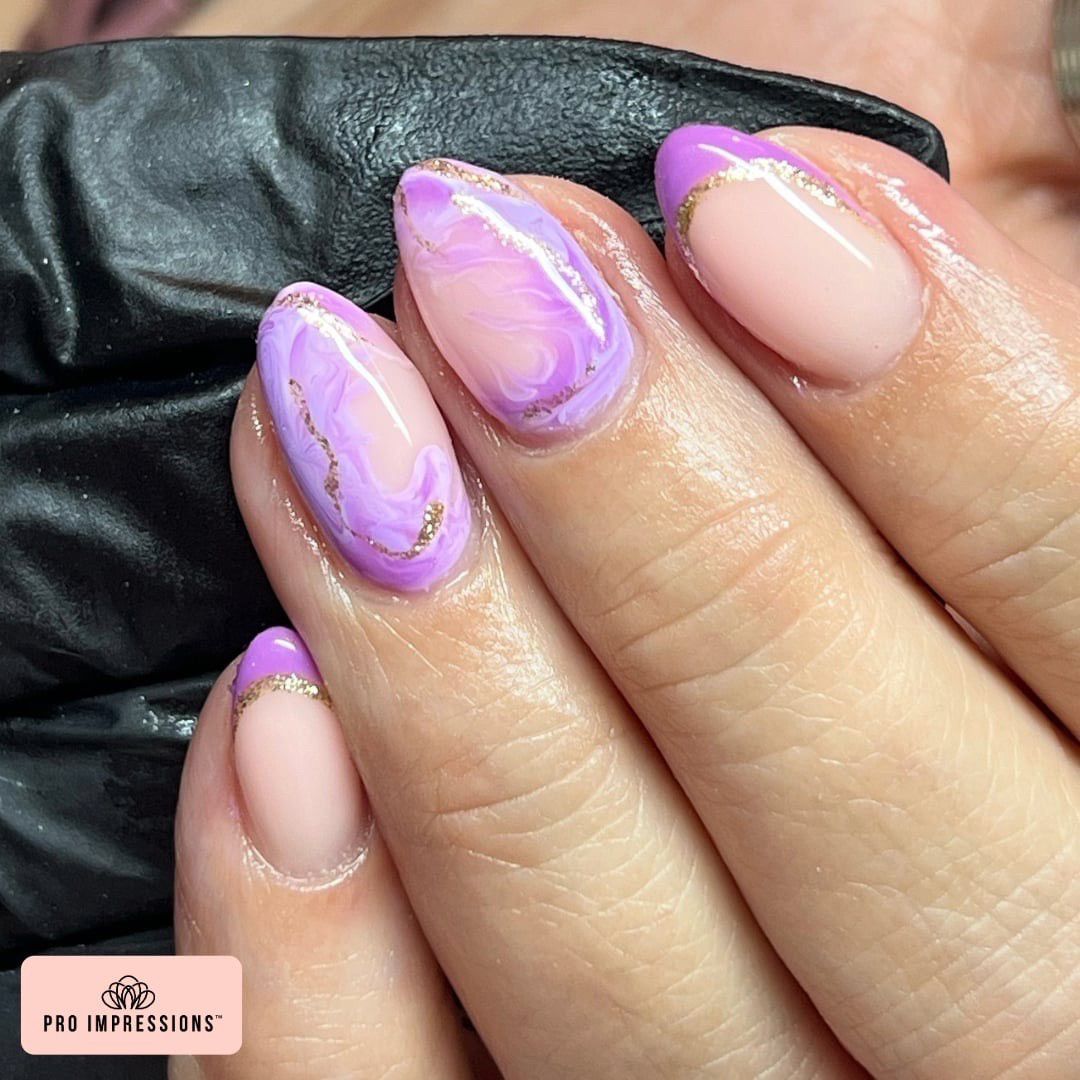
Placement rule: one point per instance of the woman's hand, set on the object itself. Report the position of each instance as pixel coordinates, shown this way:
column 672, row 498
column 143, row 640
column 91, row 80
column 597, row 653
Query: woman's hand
column 685, row 771
column 780, row 817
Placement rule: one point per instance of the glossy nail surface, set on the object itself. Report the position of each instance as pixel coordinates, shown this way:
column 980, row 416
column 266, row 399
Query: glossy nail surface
column 510, row 298
column 789, row 253
column 306, row 809
column 364, row 439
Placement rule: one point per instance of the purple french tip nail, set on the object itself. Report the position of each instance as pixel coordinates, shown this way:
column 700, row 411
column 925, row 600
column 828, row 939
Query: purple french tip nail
column 277, row 653
column 693, row 157
column 789, row 253
column 363, row 438
column 510, row 298
column 304, row 807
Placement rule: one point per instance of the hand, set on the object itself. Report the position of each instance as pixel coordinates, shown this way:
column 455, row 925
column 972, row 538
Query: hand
column 682, row 771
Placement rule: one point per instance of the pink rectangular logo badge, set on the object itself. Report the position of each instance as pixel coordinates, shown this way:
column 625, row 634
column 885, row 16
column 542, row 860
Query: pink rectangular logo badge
column 132, row 1005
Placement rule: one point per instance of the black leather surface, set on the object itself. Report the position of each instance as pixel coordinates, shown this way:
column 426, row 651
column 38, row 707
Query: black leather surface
column 153, row 197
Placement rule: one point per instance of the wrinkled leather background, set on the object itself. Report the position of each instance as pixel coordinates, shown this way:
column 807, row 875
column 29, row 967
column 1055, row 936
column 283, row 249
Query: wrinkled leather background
column 153, row 197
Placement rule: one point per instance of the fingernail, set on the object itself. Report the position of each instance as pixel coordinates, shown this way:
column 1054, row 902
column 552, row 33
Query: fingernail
column 509, row 297
column 787, row 252
column 364, row 438
column 306, row 809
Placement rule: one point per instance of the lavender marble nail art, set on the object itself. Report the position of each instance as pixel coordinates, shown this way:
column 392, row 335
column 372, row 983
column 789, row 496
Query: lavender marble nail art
column 510, row 298
column 363, row 438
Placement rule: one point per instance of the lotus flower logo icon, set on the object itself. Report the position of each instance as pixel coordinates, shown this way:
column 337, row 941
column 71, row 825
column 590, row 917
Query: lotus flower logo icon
column 128, row 993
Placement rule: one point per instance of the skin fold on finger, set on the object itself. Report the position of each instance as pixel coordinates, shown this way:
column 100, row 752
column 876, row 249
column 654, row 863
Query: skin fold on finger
column 338, row 980
column 899, row 816
column 565, row 886
column 964, row 452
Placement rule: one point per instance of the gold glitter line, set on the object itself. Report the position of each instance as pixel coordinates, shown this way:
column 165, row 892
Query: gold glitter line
column 752, row 170
column 443, row 167
column 316, row 314
column 332, row 483
column 423, row 241
column 434, row 513
column 552, row 402
column 291, row 684
column 570, row 275
column 526, row 245
column 573, row 278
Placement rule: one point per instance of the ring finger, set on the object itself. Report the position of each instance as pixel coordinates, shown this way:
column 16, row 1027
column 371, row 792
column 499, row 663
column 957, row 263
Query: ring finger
column 556, row 869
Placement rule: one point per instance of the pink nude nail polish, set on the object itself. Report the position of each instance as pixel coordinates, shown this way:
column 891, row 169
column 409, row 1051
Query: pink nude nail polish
column 791, row 255
column 363, row 438
column 305, row 807
column 512, row 301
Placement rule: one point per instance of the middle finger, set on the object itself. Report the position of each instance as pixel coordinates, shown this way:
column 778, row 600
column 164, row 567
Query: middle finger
column 888, row 802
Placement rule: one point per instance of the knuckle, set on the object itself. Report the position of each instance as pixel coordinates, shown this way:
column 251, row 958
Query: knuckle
column 987, row 985
column 999, row 528
column 723, row 600
column 541, row 781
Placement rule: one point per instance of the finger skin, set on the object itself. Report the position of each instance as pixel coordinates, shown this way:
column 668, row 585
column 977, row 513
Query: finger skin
column 338, row 980
column 888, row 802
column 563, row 882
column 964, row 455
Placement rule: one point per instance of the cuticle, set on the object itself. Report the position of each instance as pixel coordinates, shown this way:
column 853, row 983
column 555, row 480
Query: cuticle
column 255, row 859
column 318, row 881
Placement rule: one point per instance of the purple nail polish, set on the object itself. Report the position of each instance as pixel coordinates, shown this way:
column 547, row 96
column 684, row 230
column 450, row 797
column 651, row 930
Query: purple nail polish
column 789, row 253
column 363, row 438
column 273, row 658
column 697, row 157
column 510, row 298
column 304, row 805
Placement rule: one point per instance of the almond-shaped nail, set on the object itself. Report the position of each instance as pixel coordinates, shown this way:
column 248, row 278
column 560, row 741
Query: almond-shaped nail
column 363, row 438
column 510, row 298
column 789, row 253
column 305, row 806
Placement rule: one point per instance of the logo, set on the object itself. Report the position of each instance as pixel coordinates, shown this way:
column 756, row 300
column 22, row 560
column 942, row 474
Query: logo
column 128, row 993
column 194, row 1007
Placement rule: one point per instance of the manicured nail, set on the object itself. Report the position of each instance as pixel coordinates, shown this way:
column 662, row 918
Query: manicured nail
column 364, row 439
column 509, row 297
column 787, row 252
column 305, row 806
